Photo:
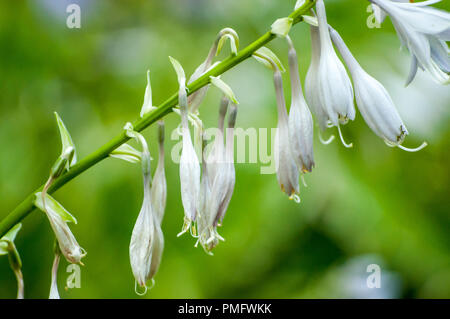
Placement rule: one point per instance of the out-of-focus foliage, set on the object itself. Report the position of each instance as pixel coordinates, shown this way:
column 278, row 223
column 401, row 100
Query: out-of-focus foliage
column 369, row 204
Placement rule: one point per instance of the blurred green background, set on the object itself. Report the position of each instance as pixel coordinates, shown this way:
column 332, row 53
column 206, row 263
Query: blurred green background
column 369, row 204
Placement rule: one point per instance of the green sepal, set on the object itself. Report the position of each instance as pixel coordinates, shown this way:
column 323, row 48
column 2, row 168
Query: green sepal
column 14, row 257
column 127, row 153
column 265, row 55
column 66, row 141
column 225, row 88
column 54, row 206
column 12, row 233
column 3, row 248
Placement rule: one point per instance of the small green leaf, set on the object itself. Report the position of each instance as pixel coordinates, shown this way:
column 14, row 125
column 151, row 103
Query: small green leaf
column 66, row 141
column 147, row 106
column 3, row 248
column 127, row 153
column 228, row 33
column 14, row 257
column 311, row 20
column 54, row 206
column 282, row 26
column 265, row 56
column 216, row 81
column 299, row 3
column 12, row 233
column 179, row 70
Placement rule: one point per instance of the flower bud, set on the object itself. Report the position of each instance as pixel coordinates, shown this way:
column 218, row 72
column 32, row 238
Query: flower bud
column 229, row 165
column 287, row 172
column 68, row 147
column 300, row 118
column 147, row 241
column 189, row 164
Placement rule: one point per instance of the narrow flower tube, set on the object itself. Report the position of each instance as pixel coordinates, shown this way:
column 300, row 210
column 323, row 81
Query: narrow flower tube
column 189, row 164
column 203, row 218
column 7, row 247
column 335, row 88
column 312, row 93
column 58, row 217
column 287, row 172
column 374, row 102
column 159, row 185
column 54, row 294
column 300, row 118
column 229, row 162
column 159, row 197
column 215, row 158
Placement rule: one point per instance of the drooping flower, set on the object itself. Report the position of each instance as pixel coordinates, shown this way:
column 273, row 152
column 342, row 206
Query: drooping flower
column 286, row 169
column 218, row 180
column 189, row 164
column 7, row 247
column 229, row 162
column 335, row 88
column 143, row 237
column 159, row 197
column 374, row 102
column 300, row 118
column 423, row 31
column 215, row 187
column 58, row 217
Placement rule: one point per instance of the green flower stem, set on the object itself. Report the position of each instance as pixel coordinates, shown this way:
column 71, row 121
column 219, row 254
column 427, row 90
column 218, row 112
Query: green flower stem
column 27, row 206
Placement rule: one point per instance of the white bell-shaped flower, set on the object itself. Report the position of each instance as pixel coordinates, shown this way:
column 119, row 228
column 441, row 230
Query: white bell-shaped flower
column 301, row 125
column 374, row 102
column 335, row 88
column 423, row 30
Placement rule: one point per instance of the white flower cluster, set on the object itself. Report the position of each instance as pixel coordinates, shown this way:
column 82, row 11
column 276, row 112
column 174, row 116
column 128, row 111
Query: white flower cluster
column 207, row 184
